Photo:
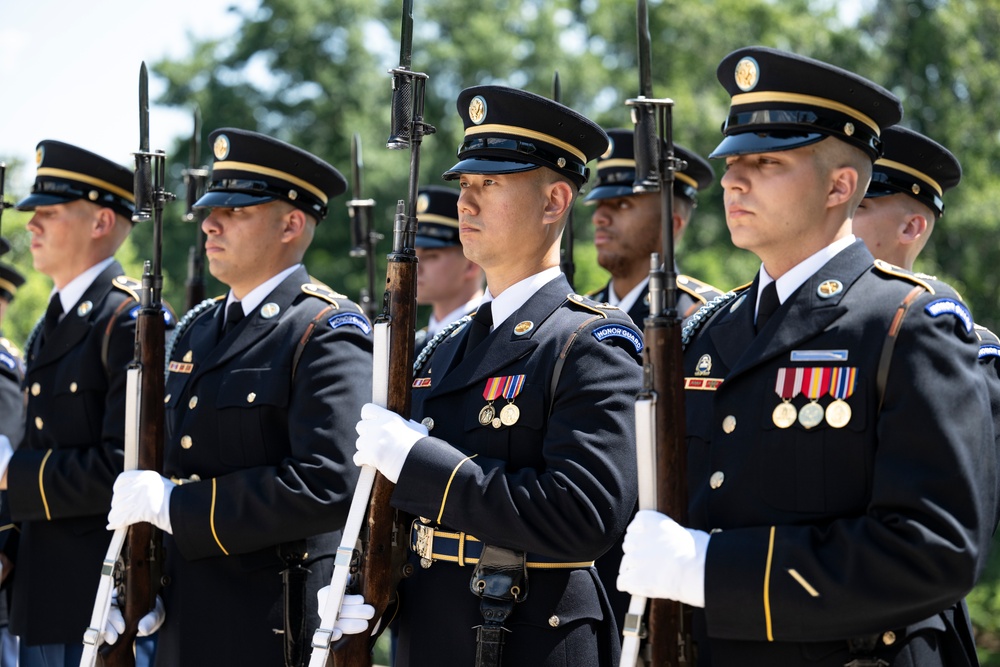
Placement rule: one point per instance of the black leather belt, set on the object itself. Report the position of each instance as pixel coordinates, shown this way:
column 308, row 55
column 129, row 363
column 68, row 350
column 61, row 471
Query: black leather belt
column 433, row 544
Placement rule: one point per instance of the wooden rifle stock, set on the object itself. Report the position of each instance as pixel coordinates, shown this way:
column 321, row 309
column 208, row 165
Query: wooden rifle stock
column 667, row 631
column 142, row 560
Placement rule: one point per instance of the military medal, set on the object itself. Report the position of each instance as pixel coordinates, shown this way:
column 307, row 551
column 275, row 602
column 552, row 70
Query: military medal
column 510, row 414
column 509, row 387
column 486, row 414
column 816, row 382
column 838, row 413
column 786, row 387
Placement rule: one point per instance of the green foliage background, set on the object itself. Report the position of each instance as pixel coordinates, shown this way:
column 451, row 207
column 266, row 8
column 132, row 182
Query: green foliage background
column 313, row 72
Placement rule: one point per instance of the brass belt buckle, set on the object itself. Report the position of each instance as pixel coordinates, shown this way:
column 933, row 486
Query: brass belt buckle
column 423, row 543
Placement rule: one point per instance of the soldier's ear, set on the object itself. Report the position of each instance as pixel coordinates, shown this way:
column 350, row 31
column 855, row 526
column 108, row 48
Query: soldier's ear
column 559, row 199
column 293, row 223
column 843, row 185
column 103, row 222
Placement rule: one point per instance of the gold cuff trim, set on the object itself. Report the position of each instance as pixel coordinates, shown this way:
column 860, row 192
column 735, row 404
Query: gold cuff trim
column 9, row 526
column 267, row 171
column 899, row 166
column 767, row 587
column 796, row 98
column 8, row 286
column 84, row 178
column 530, row 134
column 447, row 487
column 211, row 521
column 802, row 582
column 41, row 484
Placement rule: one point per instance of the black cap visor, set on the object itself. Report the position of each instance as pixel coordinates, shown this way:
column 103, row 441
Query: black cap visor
column 486, row 166
column 748, row 143
column 609, row 192
column 36, row 199
column 223, row 199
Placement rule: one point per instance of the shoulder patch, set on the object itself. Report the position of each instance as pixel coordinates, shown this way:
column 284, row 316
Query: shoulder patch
column 584, row 302
column 323, row 292
column 350, row 319
column 900, row 272
column 697, row 289
column 950, row 307
column 8, row 361
column 606, row 331
column 128, row 285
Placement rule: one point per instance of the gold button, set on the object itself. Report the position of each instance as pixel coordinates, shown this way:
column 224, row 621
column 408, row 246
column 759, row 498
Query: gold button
column 717, row 478
column 186, row 442
column 194, row 478
column 729, row 424
column 166, row 399
column 72, row 387
column 251, row 397
column 193, row 402
column 36, row 389
column 889, row 638
column 39, row 423
column 554, row 621
column 428, row 423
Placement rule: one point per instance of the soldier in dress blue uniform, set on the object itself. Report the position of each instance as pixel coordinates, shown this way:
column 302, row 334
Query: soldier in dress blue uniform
column 447, row 281
column 904, row 202
column 523, row 455
column 263, row 389
column 840, row 449
column 627, row 228
column 59, row 478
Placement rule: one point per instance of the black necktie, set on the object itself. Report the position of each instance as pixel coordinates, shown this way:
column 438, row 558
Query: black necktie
column 234, row 315
column 479, row 327
column 768, row 304
column 52, row 314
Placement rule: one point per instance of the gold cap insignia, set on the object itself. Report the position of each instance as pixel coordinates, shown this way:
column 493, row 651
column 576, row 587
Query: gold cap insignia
column 916, row 189
column 849, row 129
column 84, row 308
column 39, row 155
column 269, row 310
column 188, row 356
column 221, row 147
column 93, row 195
column 747, row 74
column 704, row 365
column 477, row 109
column 423, row 203
column 561, row 162
column 523, row 327
column 828, row 288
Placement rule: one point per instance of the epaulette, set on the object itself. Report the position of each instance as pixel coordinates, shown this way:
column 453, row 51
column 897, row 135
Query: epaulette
column 189, row 317
column 129, row 285
column 703, row 314
column 601, row 309
column 698, row 289
column 900, row 272
column 323, row 292
column 924, row 276
column 429, row 347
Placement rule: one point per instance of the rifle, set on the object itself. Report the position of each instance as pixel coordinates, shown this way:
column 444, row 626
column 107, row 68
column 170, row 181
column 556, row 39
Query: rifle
column 381, row 561
column 659, row 409
column 135, row 557
column 195, row 178
column 566, row 260
column 364, row 238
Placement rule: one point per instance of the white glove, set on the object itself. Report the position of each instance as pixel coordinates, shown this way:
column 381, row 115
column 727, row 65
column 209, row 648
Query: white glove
column 6, row 451
column 141, row 495
column 354, row 614
column 148, row 624
column 663, row 559
column 385, row 440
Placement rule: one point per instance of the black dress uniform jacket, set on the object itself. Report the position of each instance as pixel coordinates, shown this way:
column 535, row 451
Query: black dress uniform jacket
column 692, row 294
column 559, row 483
column 266, row 455
column 60, row 478
column 868, row 532
column 11, row 396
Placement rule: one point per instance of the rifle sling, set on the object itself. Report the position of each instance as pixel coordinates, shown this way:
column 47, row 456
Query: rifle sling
column 500, row 579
